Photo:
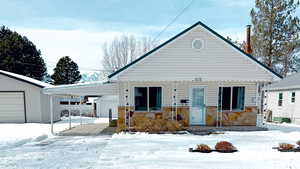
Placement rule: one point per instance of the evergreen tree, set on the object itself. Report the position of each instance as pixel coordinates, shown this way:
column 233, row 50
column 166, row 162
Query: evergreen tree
column 66, row 71
column 19, row 55
column 275, row 37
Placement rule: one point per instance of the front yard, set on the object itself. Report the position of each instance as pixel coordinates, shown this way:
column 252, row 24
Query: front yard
column 147, row 151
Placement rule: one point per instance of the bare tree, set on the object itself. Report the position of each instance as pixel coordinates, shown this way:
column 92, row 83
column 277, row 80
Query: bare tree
column 123, row 50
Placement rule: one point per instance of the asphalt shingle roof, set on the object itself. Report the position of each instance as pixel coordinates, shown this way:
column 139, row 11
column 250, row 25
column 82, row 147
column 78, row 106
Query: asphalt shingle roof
column 290, row 82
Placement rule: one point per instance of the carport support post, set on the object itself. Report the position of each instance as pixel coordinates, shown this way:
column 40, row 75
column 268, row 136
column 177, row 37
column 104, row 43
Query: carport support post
column 80, row 104
column 51, row 114
column 70, row 112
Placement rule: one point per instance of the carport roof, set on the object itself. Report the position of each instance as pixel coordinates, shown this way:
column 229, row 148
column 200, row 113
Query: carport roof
column 83, row 89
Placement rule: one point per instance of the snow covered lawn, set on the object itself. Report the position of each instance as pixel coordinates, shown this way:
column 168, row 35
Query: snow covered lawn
column 150, row 151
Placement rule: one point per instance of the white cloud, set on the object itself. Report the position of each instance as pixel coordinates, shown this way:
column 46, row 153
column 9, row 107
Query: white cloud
column 235, row 3
column 234, row 34
column 82, row 46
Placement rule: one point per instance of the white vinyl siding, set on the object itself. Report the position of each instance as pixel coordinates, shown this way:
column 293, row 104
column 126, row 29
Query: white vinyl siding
column 37, row 104
column 288, row 109
column 216, row 61
column 183, row 91
column 12, row 107
column 104, row 104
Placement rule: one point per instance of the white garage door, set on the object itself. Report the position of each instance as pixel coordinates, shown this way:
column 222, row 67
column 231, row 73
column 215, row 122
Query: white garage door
column 12, row 107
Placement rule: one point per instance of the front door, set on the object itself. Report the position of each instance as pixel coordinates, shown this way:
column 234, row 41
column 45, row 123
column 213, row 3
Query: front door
column 197, row 106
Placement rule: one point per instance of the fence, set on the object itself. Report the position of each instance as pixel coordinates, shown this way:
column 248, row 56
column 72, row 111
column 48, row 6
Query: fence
column 86, row 110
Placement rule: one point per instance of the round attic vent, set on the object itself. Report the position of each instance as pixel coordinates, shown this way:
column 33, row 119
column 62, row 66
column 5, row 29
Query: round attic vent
column 197, row 44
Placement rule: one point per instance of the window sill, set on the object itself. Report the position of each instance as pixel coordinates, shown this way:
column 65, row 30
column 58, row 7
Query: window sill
column 138, row 111
column 233, row 111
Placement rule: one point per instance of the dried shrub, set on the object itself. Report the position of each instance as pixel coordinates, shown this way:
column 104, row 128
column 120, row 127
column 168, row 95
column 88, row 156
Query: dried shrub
column 224, row 146
column 120, row 128
column 286, row 146
column 203, row 148
column 113, row 123
column 173, row 125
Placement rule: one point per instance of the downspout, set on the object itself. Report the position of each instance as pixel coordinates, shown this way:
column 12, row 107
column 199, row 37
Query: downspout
column 51, row 114
column 69, row 106
column 176, row 109
column 80, row 109
column 220, row 125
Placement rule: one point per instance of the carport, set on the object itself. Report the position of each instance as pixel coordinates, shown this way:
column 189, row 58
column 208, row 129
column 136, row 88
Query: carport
column 80, row 90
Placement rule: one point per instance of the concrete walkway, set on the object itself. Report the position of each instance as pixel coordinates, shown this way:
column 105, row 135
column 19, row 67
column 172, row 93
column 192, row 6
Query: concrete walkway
column 89, row 130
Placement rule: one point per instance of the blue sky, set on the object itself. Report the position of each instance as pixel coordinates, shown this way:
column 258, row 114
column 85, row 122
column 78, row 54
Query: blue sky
column 78, row 28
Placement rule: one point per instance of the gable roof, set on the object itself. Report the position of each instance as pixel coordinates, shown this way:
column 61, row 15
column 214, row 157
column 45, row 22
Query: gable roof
column 181, row 33
column 25, row 79
column 290, row 82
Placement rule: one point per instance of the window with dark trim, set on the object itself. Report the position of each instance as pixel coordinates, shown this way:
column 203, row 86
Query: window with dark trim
column 293, row 98
column 140, row 98
column 147, row 98
column 154, row 98
column 231, row 98
column 280, row 99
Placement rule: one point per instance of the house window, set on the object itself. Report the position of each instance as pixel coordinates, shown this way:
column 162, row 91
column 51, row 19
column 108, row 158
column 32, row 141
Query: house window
column 238, row 98
column 280, row 98
column 140, row 98
column 231, row 98
column 293, row 97
column 147, row 98
column 154, row 98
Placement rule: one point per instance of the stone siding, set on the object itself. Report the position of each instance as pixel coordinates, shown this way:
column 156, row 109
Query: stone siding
column 245, row 118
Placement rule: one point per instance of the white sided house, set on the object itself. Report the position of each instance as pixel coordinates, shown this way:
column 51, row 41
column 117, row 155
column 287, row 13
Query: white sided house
column 282, row 103
column 197, row 78
column 22, row 100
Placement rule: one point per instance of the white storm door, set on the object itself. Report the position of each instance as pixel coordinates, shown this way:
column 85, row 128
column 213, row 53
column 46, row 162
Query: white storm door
column 197, row 106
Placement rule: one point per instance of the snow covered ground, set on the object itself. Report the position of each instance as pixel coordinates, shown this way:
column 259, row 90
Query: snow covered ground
column 18, row 134
column 149, row 151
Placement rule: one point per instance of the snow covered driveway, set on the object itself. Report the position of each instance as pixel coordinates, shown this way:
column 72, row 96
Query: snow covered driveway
column 151, row 151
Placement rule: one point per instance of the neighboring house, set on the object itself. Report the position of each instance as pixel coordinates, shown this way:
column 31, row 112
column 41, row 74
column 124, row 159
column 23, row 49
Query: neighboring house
column 22, row 100
column 283, row 99
column 197, row 77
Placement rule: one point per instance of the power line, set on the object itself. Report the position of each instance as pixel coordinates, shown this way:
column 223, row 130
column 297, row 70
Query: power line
column 173, row 20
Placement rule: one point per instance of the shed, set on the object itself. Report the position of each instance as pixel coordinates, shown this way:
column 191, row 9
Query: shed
column 22, row 100
column 105, row 103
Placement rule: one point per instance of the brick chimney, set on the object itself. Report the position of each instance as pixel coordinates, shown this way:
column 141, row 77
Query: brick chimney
column 248, row 48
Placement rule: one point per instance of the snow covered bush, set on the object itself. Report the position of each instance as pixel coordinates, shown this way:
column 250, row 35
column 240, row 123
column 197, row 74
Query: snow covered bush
column 224, row 146
column 298, row 142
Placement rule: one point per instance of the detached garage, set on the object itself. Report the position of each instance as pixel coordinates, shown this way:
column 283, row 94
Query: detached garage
column 22, row 100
